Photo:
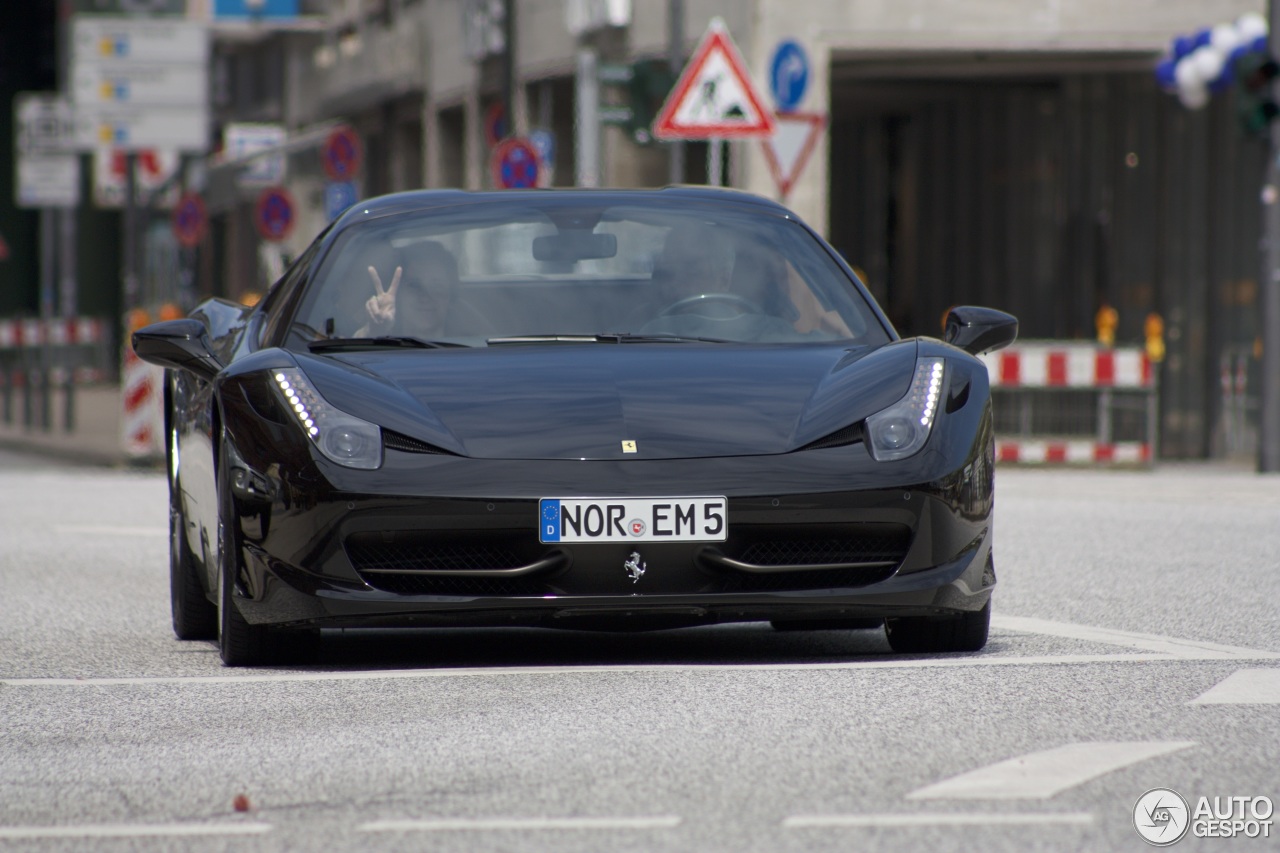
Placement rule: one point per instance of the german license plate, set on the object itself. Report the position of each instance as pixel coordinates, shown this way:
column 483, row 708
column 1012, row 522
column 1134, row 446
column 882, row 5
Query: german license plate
column 698, row 519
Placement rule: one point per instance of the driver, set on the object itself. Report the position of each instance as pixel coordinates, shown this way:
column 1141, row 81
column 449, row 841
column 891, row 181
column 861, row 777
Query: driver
column 418, row 298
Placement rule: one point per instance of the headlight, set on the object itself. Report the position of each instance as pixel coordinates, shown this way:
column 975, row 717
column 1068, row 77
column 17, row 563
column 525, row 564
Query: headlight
column 902, row 429
column 344, row 438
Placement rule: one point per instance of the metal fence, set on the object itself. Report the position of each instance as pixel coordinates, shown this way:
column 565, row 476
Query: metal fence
column 41, row 364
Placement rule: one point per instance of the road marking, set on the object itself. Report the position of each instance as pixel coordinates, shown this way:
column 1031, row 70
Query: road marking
column 1244, row 687
column 934, row 819
column 135, row 830
column 1182, row 649
column 111, row 530
column 520, row 823
column 1040, row 775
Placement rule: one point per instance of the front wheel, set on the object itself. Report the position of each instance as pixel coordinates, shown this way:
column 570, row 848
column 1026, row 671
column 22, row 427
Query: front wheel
column 194, row 616
column 931, row 634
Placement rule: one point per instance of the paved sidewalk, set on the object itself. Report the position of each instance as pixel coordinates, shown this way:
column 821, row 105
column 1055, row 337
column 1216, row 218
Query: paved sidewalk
column 95, row 438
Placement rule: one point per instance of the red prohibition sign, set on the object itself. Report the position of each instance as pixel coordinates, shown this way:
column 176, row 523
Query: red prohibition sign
column 515, row 164
column 189, row 220
column 275, row 213
column 342, row 154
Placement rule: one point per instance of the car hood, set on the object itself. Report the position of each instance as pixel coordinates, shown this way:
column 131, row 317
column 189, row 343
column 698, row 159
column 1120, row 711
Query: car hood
column 582, row 401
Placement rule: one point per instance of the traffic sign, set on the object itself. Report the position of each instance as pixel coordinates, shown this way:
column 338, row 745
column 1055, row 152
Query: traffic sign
column 338, row 196
column 46, row 123
column 112, row 38
column 275, row 214
column 788, row 74
column 189, row 220
column 495, row 124
column 515, row 164
column 48, row 180
column 154, row 168
column 241, row 139
column 132, row 128
column 714, row 97
column 342, row 154
column 136, row 83
column 791, row 145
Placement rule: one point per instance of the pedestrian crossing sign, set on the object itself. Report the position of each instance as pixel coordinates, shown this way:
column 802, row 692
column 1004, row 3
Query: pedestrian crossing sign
column 714, row 97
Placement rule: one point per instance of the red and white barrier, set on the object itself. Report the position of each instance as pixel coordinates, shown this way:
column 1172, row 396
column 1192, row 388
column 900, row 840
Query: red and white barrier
column 1054, row 365
column 60, row 331
column 1070, row 366
column 1084, row 452
column 142, row 418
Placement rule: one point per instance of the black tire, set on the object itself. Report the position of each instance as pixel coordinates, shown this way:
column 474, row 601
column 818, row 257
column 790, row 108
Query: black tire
column 850, row 624
column 239, row 642
column 930, row 635
column 195, row 617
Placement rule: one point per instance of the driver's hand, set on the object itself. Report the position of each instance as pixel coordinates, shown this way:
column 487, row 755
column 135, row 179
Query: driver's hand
column 382, row 305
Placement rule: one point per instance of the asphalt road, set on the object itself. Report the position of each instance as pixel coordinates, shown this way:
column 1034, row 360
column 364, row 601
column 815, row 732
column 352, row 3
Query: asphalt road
column 1136, row 646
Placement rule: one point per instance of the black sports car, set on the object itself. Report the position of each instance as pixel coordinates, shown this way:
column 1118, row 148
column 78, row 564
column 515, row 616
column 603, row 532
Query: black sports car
column 625, row 409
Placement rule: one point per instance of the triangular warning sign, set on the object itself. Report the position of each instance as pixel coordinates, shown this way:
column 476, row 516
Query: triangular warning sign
column 714, row 97
column 792, row 143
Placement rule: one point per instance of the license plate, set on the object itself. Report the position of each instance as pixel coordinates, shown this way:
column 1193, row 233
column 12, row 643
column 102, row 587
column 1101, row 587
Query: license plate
column 702, row 519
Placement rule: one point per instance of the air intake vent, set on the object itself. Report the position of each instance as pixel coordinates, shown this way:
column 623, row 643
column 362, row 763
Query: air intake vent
column 396, row 441
column 851, row 434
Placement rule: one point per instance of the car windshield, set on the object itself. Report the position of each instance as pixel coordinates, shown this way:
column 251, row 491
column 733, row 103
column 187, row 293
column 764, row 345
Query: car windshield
column 555, row 271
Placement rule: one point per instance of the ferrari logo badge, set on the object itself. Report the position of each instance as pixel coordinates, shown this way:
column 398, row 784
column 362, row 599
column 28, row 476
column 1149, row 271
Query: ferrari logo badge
column 635, row 566
column 628, row 447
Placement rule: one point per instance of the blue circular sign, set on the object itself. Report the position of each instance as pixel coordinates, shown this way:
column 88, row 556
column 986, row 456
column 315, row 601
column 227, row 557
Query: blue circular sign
column 275, row 213
column 788, row 74
column 515, row 165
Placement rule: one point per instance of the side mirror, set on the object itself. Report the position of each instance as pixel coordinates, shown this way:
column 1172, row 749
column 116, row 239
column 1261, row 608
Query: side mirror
column 181, row 344
column 977, row 330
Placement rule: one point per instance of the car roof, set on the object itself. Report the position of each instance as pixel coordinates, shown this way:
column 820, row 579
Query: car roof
column 423, row 200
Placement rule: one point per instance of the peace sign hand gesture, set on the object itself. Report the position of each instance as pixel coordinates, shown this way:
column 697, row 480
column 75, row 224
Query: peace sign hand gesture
column 382, row 305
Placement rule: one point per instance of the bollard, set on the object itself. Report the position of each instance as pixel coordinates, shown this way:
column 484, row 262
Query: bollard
column 28, row 405
column 46, row 400
column 69, row 403
column 7, row 385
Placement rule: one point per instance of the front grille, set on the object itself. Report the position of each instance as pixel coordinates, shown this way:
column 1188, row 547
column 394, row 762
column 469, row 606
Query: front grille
column 387, row 561
column 866, row 548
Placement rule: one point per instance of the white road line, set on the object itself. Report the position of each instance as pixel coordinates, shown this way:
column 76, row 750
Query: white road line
column 135, row 830
column 1040, row 775
column 493, row 672
column 1244, row 687
column 111, row 530
column 935, row 819
column 1184, row 649
column 520, row 823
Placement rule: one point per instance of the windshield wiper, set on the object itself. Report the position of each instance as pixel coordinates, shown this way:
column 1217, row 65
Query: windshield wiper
column 606, row 338
column 374, row 343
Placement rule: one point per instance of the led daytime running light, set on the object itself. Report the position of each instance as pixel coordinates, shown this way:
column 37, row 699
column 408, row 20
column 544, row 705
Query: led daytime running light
column 340, row 437
column 902, row 429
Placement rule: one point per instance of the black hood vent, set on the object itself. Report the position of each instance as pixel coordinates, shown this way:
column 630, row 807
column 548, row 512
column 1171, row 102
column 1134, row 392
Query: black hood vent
column 395, row 441
column 851, row 434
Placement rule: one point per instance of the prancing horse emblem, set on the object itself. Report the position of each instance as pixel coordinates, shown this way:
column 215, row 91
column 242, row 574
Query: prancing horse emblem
column 634, row 566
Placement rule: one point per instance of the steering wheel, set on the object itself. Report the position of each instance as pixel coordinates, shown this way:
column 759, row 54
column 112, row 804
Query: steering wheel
column 716, row 302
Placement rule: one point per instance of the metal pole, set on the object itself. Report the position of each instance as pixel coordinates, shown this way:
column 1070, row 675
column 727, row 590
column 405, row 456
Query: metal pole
column 675, row 62
column 587, row 120
column 1269, row 421
column 130, row 276
column 67, row 303
column 715, row 156
column 509, row 66
column 48, row 292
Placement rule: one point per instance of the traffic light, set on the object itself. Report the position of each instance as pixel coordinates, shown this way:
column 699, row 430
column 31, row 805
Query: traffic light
column 1254, row 73
column 651, row 81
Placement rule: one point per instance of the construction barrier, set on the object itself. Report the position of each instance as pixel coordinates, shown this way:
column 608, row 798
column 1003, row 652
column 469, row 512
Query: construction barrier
column 43, row 358
column 1073, row 403
column 141, row 397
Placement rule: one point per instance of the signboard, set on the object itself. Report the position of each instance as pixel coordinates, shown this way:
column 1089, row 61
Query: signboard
column 136, row 84
column 275, row 214
column 45, row 123
column 788, row 75
column 714, row 97
column 254, row 9
column 338, row 196
column 791, row 145
column 48, row 180
column 342, row 154
column 154, row 168
column 139, row 82
column 241, row 139
column 108, row 38
column 184, row 128
column 190, row 220
column 515, row 164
